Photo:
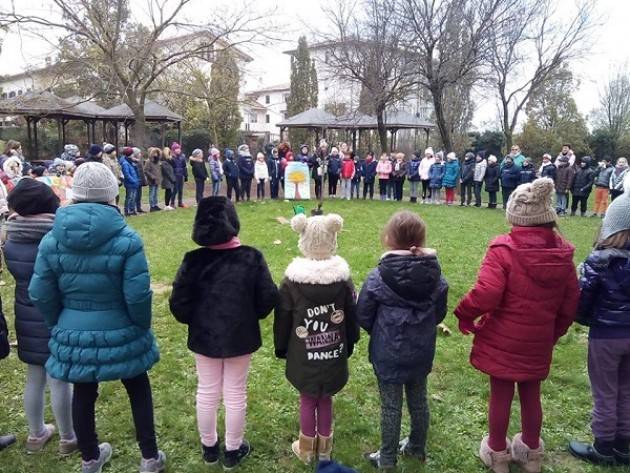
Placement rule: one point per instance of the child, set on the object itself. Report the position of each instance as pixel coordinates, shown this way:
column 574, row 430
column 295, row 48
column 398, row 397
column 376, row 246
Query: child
column 34, row 205
column 348, row 171
column 400, row 305
column 130, row 180
column 617, row 178
column 451, row 175
column 528, row 173
column 582, row 186
column 153, row 173
column 223, row 330
column 564, row 181
column 467, row 179
column 369, row 175
column 138, row 161
column 231, row 171
column 180, row 168
column 315, row 329
column 436, row 174
column 92, row 286
column 479, row 177
column 383, row 170
column 605, row 308
column 399, row 173
column 524, row 300
column 246, row 170
column 334, row 170
column 216, row 170
column 199, row 172
column 414, row 177
column 492, row 178
column 602, row 185
column 423, row 170
column 168, row 179
column 261, row 174
column 358, row 174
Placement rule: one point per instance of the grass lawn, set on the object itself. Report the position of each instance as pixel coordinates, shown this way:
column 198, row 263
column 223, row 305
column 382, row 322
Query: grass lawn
column 457, row 392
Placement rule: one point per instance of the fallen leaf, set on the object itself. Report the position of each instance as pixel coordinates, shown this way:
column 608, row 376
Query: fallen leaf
column 282, row 221
column 444, row 330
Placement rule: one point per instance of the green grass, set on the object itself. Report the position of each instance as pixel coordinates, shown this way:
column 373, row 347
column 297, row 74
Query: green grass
column 457, row 392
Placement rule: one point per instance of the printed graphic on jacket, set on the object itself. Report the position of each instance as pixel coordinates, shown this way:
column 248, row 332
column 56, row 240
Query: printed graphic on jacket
column 321, row 332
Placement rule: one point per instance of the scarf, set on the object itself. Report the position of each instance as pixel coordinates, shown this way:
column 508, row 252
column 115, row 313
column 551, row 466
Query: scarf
column 29, row 229
column 230, row 245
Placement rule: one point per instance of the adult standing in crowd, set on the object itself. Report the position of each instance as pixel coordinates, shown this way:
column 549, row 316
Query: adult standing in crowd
column 180, row 167
column 94, row 154
column 582, row 186
column 479, row 176
column 565, row 174
column 492, row 179
column 92, row 286
column 517, row 157
column 568, row 153
column 617, row 177
column 467, row 179
column 199, row 172
column 231, row 171
column 602, row 187
column 110, row 159
column 130, row 180
column 425, row 166
column 138, row 159
column 216, row 170
column 153, row 175
column 246, row 168
column 169, row 181
column 510, row 177
column 34, row 205
column 334, row 171
column 275, row 173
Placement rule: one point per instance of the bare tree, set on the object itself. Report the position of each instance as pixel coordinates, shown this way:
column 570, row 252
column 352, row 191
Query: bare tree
column 366, row 48
column 430, row 27
column 126, row 56
column 613, row 114
column 526, row 52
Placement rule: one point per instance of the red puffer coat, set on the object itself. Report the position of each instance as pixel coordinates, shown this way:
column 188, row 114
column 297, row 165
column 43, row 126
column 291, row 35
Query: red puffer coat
column 526, row 295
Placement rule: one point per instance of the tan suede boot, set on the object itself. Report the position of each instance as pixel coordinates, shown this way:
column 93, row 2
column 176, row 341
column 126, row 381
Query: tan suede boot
column 305, row 448
column 324, row 446
column 498, row 462
column 528, row 459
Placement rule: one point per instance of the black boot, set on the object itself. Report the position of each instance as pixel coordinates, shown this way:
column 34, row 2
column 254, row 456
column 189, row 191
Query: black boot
column 413, row 200
column 233, row 458
column 6, row 440
column 621, row 450
column 600, row 453
column 211, row 454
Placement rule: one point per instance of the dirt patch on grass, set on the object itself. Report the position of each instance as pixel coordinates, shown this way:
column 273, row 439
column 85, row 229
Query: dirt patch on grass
column 160, row 288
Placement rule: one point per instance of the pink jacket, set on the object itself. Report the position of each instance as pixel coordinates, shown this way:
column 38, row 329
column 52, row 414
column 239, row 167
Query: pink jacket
column 384, row 169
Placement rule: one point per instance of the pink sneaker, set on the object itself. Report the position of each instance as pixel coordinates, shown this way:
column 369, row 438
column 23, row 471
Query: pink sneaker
column 37, row 444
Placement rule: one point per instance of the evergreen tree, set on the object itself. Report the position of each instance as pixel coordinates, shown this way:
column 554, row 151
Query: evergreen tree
column 304, row 89
column 224, row 116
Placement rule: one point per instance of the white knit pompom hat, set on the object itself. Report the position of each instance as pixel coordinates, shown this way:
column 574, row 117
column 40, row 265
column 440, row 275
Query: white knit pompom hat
column 318, row 235
column 531, row 204
column 94, row 182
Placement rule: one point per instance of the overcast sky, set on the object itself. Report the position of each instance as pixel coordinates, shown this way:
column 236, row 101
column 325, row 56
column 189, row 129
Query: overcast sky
column 610, row 51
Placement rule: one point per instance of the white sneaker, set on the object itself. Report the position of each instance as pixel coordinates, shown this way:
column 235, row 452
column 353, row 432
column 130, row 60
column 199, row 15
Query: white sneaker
column 168, row 207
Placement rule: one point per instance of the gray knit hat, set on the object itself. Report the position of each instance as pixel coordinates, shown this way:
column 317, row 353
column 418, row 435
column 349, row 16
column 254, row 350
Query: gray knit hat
column 617, row 217
column 530, row 204
column 94, row 182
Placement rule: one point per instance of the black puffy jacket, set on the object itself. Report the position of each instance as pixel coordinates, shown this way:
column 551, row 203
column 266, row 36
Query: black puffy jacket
column 20, row 253
column 583, row 181
column 468, row 170
column 492, row 178
column 605, row 289
column 221, row 295
column 400, row 305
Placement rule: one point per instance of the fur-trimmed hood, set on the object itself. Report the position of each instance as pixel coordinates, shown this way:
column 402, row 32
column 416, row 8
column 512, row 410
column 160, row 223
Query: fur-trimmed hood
column 310, row 271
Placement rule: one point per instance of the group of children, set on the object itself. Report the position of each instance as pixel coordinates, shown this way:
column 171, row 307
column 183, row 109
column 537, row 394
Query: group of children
column 75, row 332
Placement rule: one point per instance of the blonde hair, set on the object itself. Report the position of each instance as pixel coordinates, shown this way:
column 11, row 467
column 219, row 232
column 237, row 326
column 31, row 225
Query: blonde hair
column 166, row 152
column 403, row 231
column 620, row 240
column 400, row 156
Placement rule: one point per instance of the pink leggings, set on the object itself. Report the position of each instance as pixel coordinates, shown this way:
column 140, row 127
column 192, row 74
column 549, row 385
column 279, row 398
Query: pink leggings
column 316, row 415
column 222, row 378
column 501, row 395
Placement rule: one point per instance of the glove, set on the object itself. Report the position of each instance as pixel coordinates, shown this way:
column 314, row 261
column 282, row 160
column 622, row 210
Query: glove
column 467, row 326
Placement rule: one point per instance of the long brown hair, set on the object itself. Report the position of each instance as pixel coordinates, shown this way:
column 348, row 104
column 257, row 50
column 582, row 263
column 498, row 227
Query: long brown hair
column 405, row 230
column 620, row 240
column 11, row 145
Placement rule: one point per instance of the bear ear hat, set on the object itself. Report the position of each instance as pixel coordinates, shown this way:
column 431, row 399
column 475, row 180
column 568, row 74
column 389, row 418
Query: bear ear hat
column 334, row 222
column 298, row 223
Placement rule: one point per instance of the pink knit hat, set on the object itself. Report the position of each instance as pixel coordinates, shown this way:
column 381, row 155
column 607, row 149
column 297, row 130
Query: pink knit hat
column 175, row 146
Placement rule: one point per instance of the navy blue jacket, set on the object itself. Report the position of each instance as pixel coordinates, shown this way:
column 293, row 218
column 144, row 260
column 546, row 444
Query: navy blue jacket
column 510, row 176
column 412, row 169
column 468, row 171
column 605, row 293
column 528, row 174
column 230, row 169
column 275, row 169
column 180, row 166
column 400, row 305
column 334, row 165
column 358, row 171
column 549, row 171
column 246, row 166
column 492, row 178
column 369, row 170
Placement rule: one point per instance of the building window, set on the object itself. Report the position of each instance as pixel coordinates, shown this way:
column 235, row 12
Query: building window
column 267, row 119
column 12, row 94
column 20, row 92
column 267, row 99
column 253, row 118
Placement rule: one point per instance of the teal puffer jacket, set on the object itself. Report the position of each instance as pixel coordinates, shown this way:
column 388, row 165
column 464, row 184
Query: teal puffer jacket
column 91, row 283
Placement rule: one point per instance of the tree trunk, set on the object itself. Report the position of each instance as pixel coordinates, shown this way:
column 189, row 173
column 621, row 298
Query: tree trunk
column 440, row 119
column 382, row 131
column 139, row 130
column 507, row 129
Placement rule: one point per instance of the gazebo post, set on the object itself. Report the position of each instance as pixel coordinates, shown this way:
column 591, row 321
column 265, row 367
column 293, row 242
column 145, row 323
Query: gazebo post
column 59, row 136
column 179, row 133
column 426, row 142
column 87, row 126
column 354, row 140
column 163, row 134
column 391, row 141
column 64, row 122
column 126, row 124
column 93, row 125
column 116, row 130
column 105, row 140
column 31, row 149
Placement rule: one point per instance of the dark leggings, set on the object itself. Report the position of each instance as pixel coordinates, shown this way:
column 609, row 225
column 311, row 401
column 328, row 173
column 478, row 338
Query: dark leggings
column 368, row 188
column 169, row 197
column 318, row 186
column 382, row 187
column 332, row 184
column 398, row 188
column 260, row 189
column 426, row 190
column 232, row 185
column 83, row 413
column 179, row 190
column 246, row 187
column 466, row 191
column 200, row 185
column 581, row 200
column 391, row 416
column 507, row 192
column 501, row 396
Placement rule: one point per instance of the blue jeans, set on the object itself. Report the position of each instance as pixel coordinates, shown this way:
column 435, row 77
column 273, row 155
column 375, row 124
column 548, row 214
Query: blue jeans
column 562, row 200
column 414, row 189
column 355, row 188
column 346, row 189
column 153, row 196
column 130, row 199
column 179, row 190
column 139, row 199
column 216, row 187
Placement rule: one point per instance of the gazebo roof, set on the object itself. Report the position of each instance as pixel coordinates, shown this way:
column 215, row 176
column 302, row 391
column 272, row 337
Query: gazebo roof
column 356, row 120
column 153, row 111
column 43, row 104
column 311, row 118
column 86, row 106
column 402, row 119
